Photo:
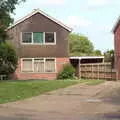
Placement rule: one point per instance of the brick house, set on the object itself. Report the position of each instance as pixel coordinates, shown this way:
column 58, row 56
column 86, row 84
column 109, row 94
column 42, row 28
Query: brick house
column 41, row 43
column 116, row 31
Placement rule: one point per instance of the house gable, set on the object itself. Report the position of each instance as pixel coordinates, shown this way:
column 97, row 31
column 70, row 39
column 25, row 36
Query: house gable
column 36, row 11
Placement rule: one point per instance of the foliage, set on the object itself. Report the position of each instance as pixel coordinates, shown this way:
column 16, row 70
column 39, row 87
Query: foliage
column 19, row 90
column 6, row 8
column 80, row 45
column 67, row 72
column 8, row 59
column 109, row 56
column 97, row 53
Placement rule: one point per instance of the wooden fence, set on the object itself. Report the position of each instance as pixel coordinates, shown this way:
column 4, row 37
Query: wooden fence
column 97, row 71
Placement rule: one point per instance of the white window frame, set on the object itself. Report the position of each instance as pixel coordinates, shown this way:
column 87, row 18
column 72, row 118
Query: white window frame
column 44, row 43
column 22, row 39
column 54, row 39
column 45, row 66
column 33, row 65
column 22, row 65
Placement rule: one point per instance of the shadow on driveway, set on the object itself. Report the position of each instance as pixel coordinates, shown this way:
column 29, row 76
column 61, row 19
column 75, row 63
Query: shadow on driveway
column 113, row 97
column 13, row 118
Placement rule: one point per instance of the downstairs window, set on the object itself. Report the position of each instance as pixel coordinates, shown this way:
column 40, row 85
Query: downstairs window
column 39, row 65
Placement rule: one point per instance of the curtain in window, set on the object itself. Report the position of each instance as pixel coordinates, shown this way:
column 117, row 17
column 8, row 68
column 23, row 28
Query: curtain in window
column 38, row 37
column 27, row 65
column 50, row 65
column 39, row 65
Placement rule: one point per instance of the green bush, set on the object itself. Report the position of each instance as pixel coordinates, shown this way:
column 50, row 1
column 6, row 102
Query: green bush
column 67, row 72
column 8, row 59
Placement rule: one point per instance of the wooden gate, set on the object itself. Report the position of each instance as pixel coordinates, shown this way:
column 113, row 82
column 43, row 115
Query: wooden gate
column 97, row 71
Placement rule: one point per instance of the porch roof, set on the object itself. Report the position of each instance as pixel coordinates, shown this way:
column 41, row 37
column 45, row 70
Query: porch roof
column 87, row 57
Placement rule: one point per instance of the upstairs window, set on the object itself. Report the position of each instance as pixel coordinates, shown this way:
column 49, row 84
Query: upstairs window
column 27, row 37
column 38, row 37
column 49, row 37
column 42, row 38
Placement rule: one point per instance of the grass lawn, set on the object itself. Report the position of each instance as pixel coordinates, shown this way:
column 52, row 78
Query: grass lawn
column 18, row 90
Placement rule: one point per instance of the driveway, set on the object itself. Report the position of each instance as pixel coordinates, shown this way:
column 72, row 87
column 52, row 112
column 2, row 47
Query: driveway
column 79, row 102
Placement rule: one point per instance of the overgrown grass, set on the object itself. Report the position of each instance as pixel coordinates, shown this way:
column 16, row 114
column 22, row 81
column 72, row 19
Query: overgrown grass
column 19, row 90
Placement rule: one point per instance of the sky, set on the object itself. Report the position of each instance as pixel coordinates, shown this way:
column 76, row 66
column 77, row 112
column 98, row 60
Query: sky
column 92, row 18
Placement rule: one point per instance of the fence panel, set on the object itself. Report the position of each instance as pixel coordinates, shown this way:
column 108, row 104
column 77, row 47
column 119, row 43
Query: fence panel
column 97, row 71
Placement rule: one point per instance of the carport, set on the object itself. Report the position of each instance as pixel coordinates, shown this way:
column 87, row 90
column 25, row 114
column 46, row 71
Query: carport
column 77, row 61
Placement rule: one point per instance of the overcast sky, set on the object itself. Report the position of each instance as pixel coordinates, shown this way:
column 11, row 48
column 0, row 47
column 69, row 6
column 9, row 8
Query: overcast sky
column 93, row 18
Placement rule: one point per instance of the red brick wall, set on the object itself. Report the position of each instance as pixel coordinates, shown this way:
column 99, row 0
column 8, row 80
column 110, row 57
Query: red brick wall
column 117, row 50
column 49, row 76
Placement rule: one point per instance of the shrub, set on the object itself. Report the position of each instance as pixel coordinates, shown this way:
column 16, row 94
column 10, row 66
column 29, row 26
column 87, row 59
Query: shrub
column 8, row 59
column 67, row 72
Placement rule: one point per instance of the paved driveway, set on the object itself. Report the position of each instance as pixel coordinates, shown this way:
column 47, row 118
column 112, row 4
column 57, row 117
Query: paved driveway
column 79, row 102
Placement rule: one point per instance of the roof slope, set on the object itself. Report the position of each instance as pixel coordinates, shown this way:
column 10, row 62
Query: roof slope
column 44, row 14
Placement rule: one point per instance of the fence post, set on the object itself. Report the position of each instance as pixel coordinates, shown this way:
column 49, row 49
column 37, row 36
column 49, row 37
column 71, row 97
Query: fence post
column 105, row 71
column 92, row 71
column 79, row 68
column 98, row 71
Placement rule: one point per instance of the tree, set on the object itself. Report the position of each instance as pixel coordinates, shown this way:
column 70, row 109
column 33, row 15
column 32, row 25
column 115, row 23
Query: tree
column 97, row 52
column 6, row 8
column 8, row 59
column 109, row 56
column 80, row 45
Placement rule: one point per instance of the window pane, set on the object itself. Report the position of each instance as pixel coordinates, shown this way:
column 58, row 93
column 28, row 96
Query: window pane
column 27, row 37
column 50, row 65
column 27, row 65
column 38, row 37
column 39, row 65
column 49, row 38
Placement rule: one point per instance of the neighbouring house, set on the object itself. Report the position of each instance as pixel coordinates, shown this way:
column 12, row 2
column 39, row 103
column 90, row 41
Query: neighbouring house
column 41, row 43
column 116, row 31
